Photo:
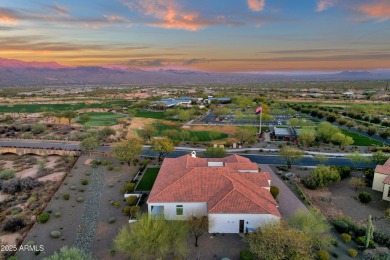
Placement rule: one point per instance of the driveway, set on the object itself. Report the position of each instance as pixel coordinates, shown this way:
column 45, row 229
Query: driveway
column 288, row 201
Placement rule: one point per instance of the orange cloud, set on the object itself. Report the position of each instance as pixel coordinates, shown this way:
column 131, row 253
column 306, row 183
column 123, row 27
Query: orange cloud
column 256, row 5
column 7, row 18
column 380, row 10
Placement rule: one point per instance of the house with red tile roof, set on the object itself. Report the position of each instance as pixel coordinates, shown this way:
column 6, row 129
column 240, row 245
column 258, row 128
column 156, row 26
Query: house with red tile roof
column 230, row 191
column 381, row 180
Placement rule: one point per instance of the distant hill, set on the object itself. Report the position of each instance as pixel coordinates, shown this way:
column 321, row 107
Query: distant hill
column 20, row 73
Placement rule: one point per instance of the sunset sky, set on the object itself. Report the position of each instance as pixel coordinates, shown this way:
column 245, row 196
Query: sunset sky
column 207, row 35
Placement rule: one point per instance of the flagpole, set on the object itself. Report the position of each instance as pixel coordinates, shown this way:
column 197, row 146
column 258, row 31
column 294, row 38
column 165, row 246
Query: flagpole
column 261, row 113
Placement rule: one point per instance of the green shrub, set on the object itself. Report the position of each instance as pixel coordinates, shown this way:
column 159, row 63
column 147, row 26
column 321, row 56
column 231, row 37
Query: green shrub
column 362, row 241
column 131, row 200
column 72, row 187
column 346, row 238
column 111, row 220
column 352, row 252
column 364, row 197
column 274, row 191
column 84, row 182
column 341, row 226
column 344, row 171
column 110, row 168
column 323, row 255
column 80, row 199
column 43, row 218
column 57, row 214
column 7, row 174
column 66, row 196
column 117, row 168
column 134, row 210
column 129, row 187
column 116, row 204
column 55, row 234
column 245, row 254
column 126, row 210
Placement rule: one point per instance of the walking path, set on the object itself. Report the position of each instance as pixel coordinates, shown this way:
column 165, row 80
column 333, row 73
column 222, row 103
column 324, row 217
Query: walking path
column 89, row 220
column 288, row 201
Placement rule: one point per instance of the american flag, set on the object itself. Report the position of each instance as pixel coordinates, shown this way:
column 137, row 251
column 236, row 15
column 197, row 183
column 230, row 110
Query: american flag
column 258, row 110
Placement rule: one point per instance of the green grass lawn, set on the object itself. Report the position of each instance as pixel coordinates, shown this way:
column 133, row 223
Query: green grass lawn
column 202, row 136
column 32, row 108
column 101, row 119
column 361, row 140
column 149, row 114
column 147, row 181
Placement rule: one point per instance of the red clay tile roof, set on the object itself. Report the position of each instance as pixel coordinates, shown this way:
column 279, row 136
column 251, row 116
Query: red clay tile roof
column 224, row 189
column 387, row 163
column 387, row 180
column 382, row 169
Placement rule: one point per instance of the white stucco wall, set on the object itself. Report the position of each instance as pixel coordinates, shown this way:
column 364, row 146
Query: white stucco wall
column 377, row 183
column 189, row 209
column 386, row 194
column 230, row 223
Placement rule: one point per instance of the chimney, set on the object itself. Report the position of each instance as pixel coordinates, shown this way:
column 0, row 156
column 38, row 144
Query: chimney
column 193, row 154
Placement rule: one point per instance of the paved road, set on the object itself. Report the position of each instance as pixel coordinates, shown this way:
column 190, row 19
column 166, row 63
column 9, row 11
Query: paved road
column 288, row 202
column 274, row 159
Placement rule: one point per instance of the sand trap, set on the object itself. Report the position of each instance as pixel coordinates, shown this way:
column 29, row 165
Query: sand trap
column 9, row 239
column 52, row 177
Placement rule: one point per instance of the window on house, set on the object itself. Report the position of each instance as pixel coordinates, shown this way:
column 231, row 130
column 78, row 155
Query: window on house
column 179, row 210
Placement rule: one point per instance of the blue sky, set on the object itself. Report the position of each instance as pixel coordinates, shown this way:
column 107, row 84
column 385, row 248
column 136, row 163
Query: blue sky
column 228, row 35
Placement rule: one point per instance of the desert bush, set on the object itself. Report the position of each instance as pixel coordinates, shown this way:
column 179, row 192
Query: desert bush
column 341, row 226
column 43, row 218
column 352, row 252
column 7, row 174
column 66, row 196
column 80, row 199
column 38, row 128
column 116, row 204
column 274, row 191
column 362, row 240
column 13, row 224
column 245, row 254
column 323, row 255
column 73, row 187
column 364, row 197
column 126, row 210
column 346, row 238
column 84, row 182
column 131, row 200
column 16, row 185
column 57, row 214
column 55, row 234
column 111, row 220
column 129, row 187
column 134, row 210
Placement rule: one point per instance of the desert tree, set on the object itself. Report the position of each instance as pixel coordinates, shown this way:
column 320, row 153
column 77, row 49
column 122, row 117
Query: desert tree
column 89, row 144
column 290, row 154
column 163, row 146
column 128, row 150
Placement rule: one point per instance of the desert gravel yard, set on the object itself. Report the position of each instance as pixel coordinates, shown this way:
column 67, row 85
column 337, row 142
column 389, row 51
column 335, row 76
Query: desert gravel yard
column 83, row 219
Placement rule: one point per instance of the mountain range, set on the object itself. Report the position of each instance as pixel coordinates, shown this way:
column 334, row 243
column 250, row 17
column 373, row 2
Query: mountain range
column 21, row 73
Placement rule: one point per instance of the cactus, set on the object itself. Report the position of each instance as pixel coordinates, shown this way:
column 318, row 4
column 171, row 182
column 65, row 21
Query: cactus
column 369, row 232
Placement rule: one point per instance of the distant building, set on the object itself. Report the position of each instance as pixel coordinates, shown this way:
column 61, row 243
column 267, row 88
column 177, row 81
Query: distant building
column 381, row 180
column 284, row 134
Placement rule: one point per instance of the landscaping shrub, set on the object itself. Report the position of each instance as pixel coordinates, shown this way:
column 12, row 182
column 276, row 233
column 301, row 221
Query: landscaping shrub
column 344, row 171
column 126, row 210
column 43, row 218
column 362, row 240
column 134, row 210
column 13, row 224
column 7, row 174
column 57, row 214
column 55, row 234
column 369, row 174
column 245, row 254
column 84, row 182
column 131, row 200
column 116, row 168
column 116, row 204
column 346, row 238
column 321, row 177
column 352, row 252
column 66, row 196
column 110, row 168
column 274, row 191
column 72, row 187
column 16, row 184
column 111, row 220
column 323, row 255
column 341, row 226
column 80, row 199
column 364, row 197
column 129, row 187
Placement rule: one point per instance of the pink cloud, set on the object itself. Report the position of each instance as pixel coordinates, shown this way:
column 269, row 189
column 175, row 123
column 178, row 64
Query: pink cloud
column 256, row 5
column 323, row 5
column 380, row 11
column 7, row 18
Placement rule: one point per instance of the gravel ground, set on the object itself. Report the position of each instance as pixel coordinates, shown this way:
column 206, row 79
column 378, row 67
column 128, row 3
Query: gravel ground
column 89, row 220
